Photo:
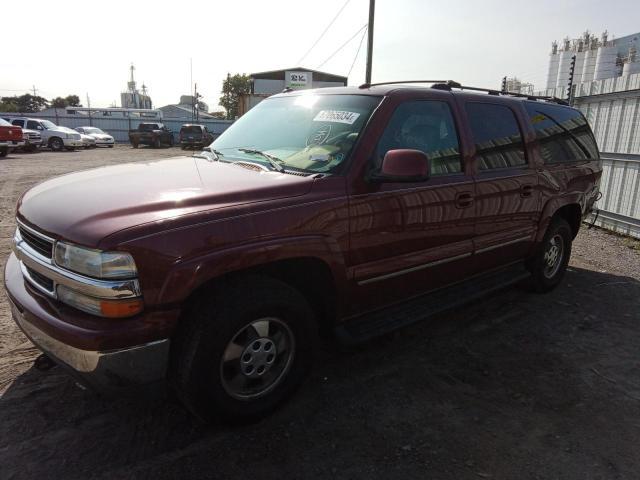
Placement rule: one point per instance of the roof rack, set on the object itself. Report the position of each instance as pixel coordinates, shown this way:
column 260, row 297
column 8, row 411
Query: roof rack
column 449, row 84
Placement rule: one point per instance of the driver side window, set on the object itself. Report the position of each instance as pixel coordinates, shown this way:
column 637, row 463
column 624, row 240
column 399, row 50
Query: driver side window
column 425, row 125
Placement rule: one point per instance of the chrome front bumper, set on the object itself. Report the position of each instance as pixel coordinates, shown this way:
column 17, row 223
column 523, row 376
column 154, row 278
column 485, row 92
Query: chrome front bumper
column 70, row 142
column 107, row 371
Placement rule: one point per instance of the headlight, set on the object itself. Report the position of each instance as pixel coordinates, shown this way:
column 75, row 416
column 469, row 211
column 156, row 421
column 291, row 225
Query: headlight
column 98, row 306
column 95, row 263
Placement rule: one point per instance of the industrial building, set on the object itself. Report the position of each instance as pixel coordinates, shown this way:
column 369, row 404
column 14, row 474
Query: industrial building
column 606, row 88
column 515, row 85
column 265, row 84
column 132, row 98
column 186, row 109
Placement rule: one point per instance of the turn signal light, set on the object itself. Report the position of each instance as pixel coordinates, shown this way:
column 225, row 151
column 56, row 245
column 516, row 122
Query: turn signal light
column 120, row 308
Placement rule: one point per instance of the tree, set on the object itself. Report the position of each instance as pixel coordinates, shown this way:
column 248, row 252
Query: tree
column 68, row 101
column 58, row 102
column 73, row 101
column 232, row 88
column 26, row 103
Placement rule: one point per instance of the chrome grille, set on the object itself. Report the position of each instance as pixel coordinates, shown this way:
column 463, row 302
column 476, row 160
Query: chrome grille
column 40, row 244
column 41, row 280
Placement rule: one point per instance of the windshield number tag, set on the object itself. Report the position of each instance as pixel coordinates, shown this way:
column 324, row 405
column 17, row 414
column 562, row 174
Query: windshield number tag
column 336, row 116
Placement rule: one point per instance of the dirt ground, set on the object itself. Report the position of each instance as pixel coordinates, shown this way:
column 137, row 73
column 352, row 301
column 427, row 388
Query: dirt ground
column 518, row 386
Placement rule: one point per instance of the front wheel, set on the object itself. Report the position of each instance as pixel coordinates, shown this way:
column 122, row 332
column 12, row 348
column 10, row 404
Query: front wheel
column 244, row 350
column 3, row 152
column 56, row 144
column 549, row 264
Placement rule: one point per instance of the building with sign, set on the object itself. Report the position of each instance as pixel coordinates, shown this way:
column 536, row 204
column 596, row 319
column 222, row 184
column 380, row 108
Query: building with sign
column 295, row 78
column 265, row 84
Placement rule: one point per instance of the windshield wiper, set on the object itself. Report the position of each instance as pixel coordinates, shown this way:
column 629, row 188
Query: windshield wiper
column 209, row 154
column 274, row 161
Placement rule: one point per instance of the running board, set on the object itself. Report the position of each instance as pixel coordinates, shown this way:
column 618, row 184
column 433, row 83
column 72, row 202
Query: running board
column 364, row 327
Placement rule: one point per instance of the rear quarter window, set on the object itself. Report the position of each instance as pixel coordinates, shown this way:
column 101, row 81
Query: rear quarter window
column 496, row 135
column 563, row 133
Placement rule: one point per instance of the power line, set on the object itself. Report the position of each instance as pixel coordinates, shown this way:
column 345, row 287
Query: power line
column 357, row 52
column 343, row 45
column 299, row 62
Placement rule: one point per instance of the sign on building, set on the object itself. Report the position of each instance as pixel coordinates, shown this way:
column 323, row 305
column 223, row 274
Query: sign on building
column 298, row 80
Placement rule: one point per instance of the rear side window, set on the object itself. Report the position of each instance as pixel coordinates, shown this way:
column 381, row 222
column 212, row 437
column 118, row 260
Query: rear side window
column 18, row 123
column 563, row 133
column 424, row 125
column 496, row 135
column 31, row 125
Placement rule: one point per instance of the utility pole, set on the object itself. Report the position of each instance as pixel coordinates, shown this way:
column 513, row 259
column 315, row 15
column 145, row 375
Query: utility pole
column 572, row 68
column 34, row 91
column 372, row 8
column 195, row 101
column 89, row 107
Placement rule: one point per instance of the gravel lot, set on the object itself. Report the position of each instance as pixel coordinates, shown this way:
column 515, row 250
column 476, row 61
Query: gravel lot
column 518, row 386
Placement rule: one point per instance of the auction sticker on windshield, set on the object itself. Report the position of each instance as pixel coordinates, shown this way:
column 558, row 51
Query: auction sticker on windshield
column 337, row 116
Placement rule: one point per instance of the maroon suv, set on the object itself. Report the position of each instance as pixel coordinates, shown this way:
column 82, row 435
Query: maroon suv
column 346, row 211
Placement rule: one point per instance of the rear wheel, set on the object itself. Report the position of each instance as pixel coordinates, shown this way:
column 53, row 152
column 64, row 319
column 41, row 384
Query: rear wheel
column 244, row 350
column 156, row 143
column 4, row 152
column 549, row 264
column 134, row 144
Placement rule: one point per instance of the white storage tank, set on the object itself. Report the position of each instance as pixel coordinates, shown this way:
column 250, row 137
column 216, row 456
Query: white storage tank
column 552, row 76
column 630, row 68
column 589, row 65
column 606, row 63
column 563, row 68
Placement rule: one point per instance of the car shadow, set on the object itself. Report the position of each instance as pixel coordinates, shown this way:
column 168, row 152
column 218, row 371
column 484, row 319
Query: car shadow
column 514, row 386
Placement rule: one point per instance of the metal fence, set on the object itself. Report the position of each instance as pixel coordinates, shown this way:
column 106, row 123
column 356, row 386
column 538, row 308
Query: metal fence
column 119, row 127
column 619, row 207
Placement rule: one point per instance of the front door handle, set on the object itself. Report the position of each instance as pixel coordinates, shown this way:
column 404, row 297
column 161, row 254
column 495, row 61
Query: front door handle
column 464, row 200
column 526, row 190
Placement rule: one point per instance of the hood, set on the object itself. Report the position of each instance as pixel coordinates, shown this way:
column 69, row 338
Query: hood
column 87, row 206
column 66, row 130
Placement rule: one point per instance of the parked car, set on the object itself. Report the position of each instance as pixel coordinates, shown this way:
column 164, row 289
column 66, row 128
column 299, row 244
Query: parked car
column 103, row 139
column 153, row 134
column 10, row 138
column 346, row 211
column 195, row 136
column 87, row 141
column 33, row 140
column 53, row 136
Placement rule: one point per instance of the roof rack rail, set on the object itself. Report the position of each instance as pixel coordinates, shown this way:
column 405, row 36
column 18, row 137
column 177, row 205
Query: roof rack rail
column 398, row 82
column 449, row 84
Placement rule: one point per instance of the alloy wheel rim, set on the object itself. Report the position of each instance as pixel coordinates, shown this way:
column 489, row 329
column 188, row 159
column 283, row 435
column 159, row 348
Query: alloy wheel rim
column 257, row 358
column 553, row 256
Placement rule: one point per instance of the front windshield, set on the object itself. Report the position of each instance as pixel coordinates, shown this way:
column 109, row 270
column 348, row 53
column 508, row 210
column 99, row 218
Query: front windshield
column 310, row 132
column 47, row 124
column 93, row 130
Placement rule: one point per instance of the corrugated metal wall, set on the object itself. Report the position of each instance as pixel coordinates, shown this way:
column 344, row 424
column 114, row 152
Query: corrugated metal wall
column 612, row 107
column 119, row 127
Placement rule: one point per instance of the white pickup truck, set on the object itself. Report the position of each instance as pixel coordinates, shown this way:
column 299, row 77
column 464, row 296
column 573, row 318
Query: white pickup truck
column 53, row 136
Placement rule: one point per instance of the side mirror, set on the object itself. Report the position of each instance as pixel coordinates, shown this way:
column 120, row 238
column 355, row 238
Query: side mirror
column 403, row 165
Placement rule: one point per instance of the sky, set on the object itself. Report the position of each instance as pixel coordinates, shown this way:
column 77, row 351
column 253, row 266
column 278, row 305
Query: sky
column 80, row 47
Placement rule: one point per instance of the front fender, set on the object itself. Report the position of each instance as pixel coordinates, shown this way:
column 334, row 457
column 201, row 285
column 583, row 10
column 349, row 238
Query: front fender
column 187, row 276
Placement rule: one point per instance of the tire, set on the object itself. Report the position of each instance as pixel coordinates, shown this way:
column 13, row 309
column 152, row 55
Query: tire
column 170, row 141
column 70, row 149
column 110, row 146
column 3, row 152
column 549, row 263
column 244, row 321
column 156, row 143
column 56, row 144
column 134, row 144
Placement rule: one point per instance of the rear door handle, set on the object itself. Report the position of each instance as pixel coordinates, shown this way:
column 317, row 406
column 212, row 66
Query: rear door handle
column 464, row 200
column 526, row 190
